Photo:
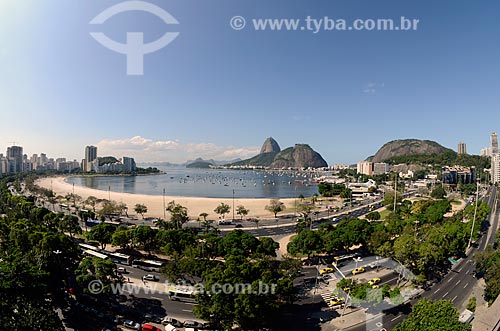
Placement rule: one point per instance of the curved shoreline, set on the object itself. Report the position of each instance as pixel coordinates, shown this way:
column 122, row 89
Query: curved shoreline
column 195, row 205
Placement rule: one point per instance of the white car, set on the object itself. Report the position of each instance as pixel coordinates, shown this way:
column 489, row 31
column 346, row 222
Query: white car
column 132, row 325
column 121, row 270
column 151, row 278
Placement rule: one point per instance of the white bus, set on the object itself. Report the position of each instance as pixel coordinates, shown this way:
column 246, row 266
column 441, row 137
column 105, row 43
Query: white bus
column 64, row 206
column 120, row 258
column 87, row 246
column 148, row 265
column 95, row 254
column 182, row 294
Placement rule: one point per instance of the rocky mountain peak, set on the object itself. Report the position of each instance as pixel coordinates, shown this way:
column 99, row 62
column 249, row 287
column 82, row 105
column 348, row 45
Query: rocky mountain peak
column 270, row 146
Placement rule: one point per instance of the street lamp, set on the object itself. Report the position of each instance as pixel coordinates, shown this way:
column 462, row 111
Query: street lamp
column 357, row 260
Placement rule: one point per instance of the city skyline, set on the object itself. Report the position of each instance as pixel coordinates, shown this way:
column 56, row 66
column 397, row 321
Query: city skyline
column 204, row 151
column 216, row 92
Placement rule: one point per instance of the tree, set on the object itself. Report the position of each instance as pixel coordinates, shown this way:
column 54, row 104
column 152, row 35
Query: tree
column 204, row 215
column 122, row 237
column 433, row 315
column 102, row 233
column 222, row 209
column 438, row 192
column 91, row 201
column 373, row 216
column 178, row 214
column 242, row 211
column 275, row 206
column 306, row 242
column 70, row 224
column 141, row 209
column 145, row 237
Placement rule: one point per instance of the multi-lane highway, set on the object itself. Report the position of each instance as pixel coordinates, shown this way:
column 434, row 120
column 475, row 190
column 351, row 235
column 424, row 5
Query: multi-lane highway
column 457, row 285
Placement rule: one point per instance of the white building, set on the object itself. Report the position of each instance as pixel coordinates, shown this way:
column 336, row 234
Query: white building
column 495, row 168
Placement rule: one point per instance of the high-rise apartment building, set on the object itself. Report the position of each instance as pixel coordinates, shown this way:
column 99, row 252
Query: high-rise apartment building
column 90, row 155
column 494, row 143
column 15, row 156
column 365, row 168
column 495, row 168
column 462, row 148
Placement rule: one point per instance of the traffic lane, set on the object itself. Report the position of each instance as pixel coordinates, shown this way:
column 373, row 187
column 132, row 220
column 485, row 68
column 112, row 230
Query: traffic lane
column 177, row 309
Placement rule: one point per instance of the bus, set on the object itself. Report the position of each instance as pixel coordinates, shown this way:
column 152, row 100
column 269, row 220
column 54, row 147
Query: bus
column 64, row 206
column 120, row 258
column 148, row 265
column 87, row 247
column 186, row 294
column 95, row 254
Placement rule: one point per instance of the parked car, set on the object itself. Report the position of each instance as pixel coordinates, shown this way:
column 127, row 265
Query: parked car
column 149, row 327
column 121, row 270
column 358, row 271
column 152, row 318
column 151, row 278
column 336, row 301
column 172, row 321
column 132, row 325
column 192, row 324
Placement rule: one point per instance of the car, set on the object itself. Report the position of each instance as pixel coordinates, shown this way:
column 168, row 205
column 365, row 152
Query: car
column 374, row 281
column 129, row 324
column 375, row 287
column 149, row 327
column 152, row 318
column 192, row 324
column 358, row 271
column 336, row 301
column 325, row 271
column 238, row 226
column 121, row 270
column 151, row 278
column 172, row 321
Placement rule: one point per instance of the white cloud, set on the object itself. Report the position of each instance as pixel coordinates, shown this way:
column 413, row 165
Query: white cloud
column 148, row 150
column 371, row 88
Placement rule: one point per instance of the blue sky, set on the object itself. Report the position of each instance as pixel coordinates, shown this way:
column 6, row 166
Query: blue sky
column 217, row 92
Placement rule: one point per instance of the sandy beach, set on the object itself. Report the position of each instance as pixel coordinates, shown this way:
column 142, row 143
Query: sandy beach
column 195, row 205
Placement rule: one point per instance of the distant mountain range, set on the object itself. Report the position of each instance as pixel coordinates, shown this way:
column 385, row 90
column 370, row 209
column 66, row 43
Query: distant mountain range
column 271, row 156
column 189, row 162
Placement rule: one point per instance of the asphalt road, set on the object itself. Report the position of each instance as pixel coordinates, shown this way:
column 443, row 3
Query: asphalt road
column 456, row 286
column 180, row 310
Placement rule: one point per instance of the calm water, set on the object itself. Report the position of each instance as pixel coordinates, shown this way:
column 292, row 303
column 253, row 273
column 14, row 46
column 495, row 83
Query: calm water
column 210, row 183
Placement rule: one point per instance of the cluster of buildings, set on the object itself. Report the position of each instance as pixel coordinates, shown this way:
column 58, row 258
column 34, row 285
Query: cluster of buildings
column 92, row 163
column 15, row 161
column 371, row 168
column 458, row 175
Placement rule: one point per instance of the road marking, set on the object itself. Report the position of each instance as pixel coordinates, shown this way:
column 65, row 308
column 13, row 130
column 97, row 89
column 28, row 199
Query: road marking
column 187, row 310
column 395, row 318
column 446, row 294
column 156, row 298
column 449, row 280
column 466, row 285
column 439, row 289
column 453, row 298
column 460, row 269
column 458, row 282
